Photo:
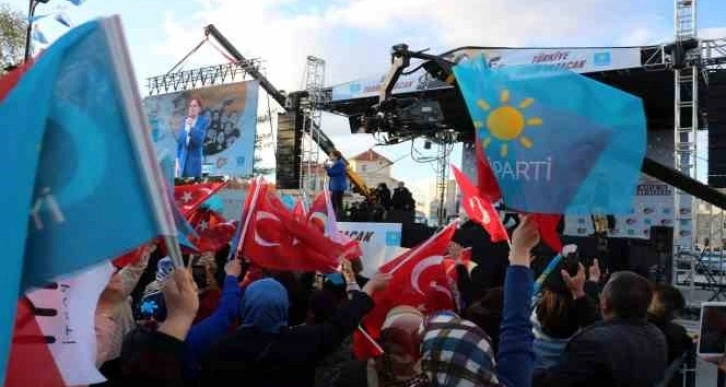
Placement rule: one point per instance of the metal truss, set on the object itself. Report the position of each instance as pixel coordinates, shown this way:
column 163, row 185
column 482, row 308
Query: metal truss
column 201, row 77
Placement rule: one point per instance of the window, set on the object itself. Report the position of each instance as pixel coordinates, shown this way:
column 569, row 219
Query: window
column 363, row 168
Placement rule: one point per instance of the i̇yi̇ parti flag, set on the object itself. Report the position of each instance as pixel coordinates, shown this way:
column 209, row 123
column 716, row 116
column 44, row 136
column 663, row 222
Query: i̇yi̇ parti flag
column 478, row 209
column 558, row 142
column 74, row 135
column 62, row 18
column 74, row 349
column 38, row 35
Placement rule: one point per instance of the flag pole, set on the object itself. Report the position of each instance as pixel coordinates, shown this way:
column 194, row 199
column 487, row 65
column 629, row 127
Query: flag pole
column 246, row 220
column 370, row 339
column 138, row 127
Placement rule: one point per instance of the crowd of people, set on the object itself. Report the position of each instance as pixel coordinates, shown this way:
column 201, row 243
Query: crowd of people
column 219, row 322
column 382, row 205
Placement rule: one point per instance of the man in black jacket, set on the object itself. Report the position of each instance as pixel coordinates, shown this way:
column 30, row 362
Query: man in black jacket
column 623, row 350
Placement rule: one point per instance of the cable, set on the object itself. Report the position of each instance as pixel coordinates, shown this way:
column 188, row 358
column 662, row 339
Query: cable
column 272, row 127
column 190, row 53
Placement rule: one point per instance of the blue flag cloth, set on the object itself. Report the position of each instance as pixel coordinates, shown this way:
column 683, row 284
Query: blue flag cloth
column 39, row 36
column 62, row 18
column 73, row 150
column 77, row 2
column 558, row 142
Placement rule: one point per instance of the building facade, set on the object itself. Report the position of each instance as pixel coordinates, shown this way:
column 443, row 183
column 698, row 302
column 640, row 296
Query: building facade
column 373, row 168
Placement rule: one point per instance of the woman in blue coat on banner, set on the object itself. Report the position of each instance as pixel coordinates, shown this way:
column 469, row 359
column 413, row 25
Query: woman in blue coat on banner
column 338, row 181
column 191, row 141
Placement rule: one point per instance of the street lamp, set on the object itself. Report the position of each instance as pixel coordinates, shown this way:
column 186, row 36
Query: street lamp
column 29, row 30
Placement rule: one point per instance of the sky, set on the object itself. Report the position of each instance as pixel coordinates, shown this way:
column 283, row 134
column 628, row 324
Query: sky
column 354, row 38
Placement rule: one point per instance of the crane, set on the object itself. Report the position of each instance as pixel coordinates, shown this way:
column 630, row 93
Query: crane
column 282, row 99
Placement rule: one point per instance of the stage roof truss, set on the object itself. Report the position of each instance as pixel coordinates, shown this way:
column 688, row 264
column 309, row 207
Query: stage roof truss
column 202, row 77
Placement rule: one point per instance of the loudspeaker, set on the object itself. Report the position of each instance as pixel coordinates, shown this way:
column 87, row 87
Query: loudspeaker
column 289, row 143
column 287, row 170
column 716, row 118
column 661, row 239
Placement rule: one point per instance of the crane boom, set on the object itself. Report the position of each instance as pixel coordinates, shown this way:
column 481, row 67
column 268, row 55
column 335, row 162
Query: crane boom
column 280, row 97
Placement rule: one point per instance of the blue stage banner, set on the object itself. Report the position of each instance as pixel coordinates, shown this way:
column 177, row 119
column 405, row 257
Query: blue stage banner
column 205, row 131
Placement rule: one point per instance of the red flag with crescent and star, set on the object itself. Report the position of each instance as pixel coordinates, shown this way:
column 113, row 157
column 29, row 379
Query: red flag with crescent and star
column 322, row 217
column 274, row 239
column 419, row 280
column 213, row 230
column 480, row 210
column 299, row 211
column 318, row 212
column 189, row 197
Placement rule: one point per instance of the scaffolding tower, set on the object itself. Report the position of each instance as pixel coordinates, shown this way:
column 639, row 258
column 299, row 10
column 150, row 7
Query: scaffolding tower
column 310, row 155
column 685, row 146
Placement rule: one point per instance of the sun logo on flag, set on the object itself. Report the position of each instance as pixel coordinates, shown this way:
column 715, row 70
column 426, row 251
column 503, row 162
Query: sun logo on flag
column 507, row 122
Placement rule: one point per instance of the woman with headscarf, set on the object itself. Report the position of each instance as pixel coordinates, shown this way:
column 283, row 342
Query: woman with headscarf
column 456, row 352
column 265, row 351
column 400, row 364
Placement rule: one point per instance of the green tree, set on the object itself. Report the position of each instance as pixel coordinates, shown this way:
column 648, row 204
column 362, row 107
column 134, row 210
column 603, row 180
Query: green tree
column 12, row 36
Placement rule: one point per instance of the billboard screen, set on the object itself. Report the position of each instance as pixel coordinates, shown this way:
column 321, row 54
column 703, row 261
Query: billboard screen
column 205, row 131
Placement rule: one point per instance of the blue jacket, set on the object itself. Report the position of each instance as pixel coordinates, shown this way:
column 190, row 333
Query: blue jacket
column 338, row 179
column 515, row 359
column 190, row 155
column 204, row 333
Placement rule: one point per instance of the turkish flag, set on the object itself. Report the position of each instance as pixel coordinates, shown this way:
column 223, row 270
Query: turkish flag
column 547, row 227
column 299, row 211
column 419, row 280
column 190, row 196
column 318, row 212
column 480, row 210
column 274, row 239
column 29, row 352
column 450, row 264
column 322, row 217
column 486, row 180
column 131, row 257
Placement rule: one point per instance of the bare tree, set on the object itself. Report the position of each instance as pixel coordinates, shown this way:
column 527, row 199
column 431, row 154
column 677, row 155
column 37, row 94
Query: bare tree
column 12, row 36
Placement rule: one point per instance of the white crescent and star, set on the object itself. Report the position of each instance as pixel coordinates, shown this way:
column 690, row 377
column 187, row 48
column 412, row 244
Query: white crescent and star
column 321, row 217
column 476, row 203
column 422, row 266
column 186, row 197
column 262, row 215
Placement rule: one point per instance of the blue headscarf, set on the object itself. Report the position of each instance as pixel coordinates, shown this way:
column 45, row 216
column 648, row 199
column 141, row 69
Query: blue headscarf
column 265, row 306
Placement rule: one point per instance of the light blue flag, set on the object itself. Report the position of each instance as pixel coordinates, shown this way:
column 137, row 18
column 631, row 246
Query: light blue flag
column 35, row 18
column 39, row 36
column 83, row 188
column 62, row 18
column 558, row 142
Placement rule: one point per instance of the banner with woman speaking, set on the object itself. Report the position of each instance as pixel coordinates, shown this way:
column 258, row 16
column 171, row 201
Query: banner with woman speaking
column 205, row 131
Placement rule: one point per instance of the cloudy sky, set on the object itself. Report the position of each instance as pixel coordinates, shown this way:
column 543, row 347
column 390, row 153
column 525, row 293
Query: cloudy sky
column 355, row 36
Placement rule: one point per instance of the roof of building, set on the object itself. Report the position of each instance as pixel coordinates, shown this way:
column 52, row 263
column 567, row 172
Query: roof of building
column 370, row 155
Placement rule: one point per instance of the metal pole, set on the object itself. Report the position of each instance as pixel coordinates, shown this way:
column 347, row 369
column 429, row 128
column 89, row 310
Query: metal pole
column 29, row 30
